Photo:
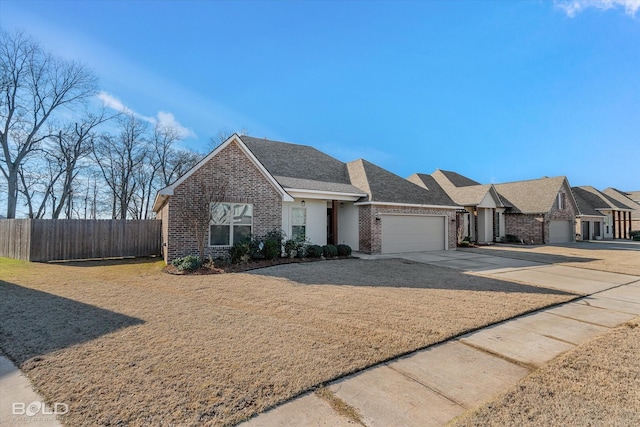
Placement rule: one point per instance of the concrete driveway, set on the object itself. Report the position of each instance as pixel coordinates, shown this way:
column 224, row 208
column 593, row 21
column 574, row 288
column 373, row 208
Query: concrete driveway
column 565, row 278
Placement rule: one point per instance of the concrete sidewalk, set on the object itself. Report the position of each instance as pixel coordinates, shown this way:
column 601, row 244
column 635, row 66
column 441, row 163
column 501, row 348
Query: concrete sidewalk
column 20, row 404
column 432, row 386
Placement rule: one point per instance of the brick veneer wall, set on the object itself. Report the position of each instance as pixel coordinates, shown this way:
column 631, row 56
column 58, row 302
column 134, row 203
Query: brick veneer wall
column 242, row 183
column 371, row 229
column 534, row 228
column 526, row 227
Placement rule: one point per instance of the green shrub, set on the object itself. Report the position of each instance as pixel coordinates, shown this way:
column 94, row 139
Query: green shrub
column 344, row 250
column 222, row 261
column 510, row 238
column 314, row 251
column 634, row 233
column 294, row 248
column 239, row 252
column 329, row 251
column 272, row 249
column 636, row 237
column 187, row 263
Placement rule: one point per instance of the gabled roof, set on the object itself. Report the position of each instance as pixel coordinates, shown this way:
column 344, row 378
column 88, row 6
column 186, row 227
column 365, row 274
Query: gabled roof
column 297, row 161
column 582, row 200
column 534, row 196
column 383, row 186
column 634, row 195
column 464, row 191
column 624, row 198
column 167, row 192
column 599, row 200
column 459, row 180
column 427, row 182
column 301, row 167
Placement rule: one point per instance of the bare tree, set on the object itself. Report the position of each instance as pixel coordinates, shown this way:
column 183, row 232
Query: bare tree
column 118, row 157
column 33, row 85
column 67, row 148
column 221, row 136
column 36, row 181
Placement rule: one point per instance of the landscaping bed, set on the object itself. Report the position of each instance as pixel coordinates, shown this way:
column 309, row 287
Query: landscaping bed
column 212, row 268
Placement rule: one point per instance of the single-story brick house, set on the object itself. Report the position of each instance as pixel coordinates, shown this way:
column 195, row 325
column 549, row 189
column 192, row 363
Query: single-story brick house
column 482, row 220
column 590, row 224
column 630, row 199
column 539, row 211
column 255, row 185
column 617, row 215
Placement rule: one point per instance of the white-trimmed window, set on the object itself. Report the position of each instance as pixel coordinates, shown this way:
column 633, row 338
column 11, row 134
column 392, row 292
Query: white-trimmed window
column 298, row 223
column 561, row 201
column 230, row 223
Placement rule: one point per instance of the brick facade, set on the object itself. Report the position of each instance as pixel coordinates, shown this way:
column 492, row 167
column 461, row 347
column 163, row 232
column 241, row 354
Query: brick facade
column 371, row 229
column 534, row 228
column 239, row 181
column 525, row 227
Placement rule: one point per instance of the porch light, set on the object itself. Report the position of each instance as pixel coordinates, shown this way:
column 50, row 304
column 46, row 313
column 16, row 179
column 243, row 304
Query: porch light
column 302, row 203
column 342, row 204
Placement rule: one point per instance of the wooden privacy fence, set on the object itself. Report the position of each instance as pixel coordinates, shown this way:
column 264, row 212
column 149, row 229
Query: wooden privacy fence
column 65, row 239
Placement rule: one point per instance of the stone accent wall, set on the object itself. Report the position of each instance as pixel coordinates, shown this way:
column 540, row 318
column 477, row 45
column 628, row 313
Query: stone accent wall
column 238, row 180
column 371, row 229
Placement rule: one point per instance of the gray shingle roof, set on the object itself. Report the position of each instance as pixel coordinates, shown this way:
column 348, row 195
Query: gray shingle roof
column 459, row 180
column 582, row 199
column 308, row 184
column 634, row 195
column 436, row 190
column 624, row 198
column 462, row 190
column 384, row 186
column 532, row 196
column 599, row 200
column 296, row 161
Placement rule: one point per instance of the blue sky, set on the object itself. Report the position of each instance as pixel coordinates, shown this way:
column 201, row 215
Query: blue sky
column 495, row 90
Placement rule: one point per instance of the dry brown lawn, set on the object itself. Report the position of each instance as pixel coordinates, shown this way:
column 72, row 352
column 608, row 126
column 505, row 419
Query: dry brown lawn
column 124, row 344
column 596, row 384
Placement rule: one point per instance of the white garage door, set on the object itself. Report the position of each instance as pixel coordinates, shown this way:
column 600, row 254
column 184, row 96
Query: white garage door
column 560, row 231
column 412, row 233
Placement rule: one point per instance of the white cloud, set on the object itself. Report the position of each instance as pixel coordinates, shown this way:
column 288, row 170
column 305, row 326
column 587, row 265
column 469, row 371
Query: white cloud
column 163, row 118
column 573, row 7
column 114, row 103
column 168, row 120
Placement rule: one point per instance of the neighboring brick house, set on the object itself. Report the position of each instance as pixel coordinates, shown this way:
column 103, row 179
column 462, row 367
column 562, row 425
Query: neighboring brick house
column 539, row 211
column 617, row 215
column 630, row 199
column 252, row 186
column 482, row 219
column 590, row 224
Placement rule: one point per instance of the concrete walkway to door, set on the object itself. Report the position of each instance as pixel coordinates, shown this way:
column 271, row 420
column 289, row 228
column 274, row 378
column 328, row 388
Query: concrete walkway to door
column 432, row 386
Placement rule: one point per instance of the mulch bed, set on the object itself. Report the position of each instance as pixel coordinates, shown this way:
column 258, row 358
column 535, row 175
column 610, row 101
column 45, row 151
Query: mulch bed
column 239, row 268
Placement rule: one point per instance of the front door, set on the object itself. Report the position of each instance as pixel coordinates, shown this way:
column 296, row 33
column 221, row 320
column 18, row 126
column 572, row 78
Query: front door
column 585, row 230
column 332, row 223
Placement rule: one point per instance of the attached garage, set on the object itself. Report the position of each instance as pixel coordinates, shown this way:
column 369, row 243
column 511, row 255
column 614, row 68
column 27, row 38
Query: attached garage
column 560, row 231
column 413, row 233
